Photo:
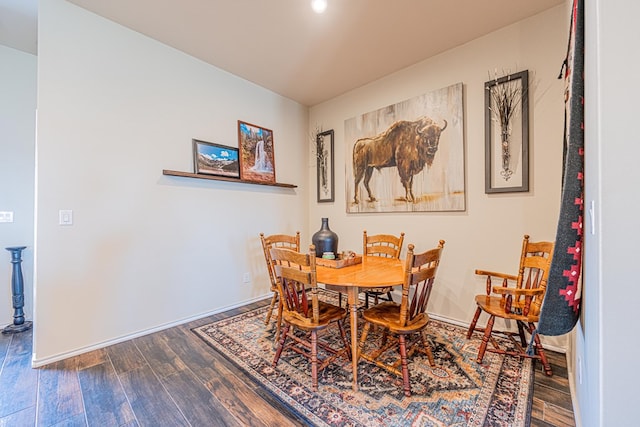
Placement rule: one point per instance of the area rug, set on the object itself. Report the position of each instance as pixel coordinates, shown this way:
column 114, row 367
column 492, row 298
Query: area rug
column 456, row 392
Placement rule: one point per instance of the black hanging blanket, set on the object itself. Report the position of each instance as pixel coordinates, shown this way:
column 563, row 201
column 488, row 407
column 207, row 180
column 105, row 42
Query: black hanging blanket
column 561, row 306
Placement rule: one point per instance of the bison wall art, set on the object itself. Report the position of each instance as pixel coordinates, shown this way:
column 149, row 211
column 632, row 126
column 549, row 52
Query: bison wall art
column 407, row 156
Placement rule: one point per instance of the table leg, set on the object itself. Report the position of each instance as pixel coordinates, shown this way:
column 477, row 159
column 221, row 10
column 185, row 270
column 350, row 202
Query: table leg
column 352, row 299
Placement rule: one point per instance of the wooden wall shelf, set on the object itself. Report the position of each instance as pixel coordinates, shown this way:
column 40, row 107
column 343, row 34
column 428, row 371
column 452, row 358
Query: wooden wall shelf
column 223, row 178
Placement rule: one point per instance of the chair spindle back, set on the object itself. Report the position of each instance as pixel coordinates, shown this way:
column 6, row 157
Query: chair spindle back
column 383, row 245
column 533, row 273
column 296, row 278
column 420, row 273
column 278, row 241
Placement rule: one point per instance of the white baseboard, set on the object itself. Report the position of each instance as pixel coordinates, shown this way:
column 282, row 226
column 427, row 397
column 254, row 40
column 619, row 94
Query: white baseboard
column 574, row 401
column 36, row 363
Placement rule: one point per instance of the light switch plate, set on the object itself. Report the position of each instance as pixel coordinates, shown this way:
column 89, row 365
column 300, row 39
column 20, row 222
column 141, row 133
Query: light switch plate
column 6, row 216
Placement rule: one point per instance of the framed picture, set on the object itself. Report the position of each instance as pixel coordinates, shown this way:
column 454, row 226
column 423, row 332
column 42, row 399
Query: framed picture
column 215, row 159
column 324, row 158
column 506, row 134
column 257, row 161
column 408, row 156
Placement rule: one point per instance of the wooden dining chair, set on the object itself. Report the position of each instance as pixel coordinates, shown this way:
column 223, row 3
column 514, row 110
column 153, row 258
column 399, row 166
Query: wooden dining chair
column 298, row 288
column 518, row 297
column 408, row 320
column 382, row 245
column 277, row 241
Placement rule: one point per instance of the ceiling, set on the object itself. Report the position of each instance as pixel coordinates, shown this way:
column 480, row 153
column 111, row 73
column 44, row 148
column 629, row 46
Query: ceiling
column 284, row 46
column 19, row 24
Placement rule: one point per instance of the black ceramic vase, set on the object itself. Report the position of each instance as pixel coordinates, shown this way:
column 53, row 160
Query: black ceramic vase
column 325, row 240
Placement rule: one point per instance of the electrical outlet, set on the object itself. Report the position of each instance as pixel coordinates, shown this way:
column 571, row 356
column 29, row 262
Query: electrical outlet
column 65, row 217
column 246, row 278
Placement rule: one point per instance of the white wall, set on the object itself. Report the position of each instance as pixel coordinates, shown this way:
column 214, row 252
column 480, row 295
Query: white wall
column 17, row 147
column 115, row 108
column 606, row 348
column 489, row 233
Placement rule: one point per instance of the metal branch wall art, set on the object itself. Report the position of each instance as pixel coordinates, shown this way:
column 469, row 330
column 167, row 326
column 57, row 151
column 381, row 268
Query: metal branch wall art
column 506, row 101
column 325, row 166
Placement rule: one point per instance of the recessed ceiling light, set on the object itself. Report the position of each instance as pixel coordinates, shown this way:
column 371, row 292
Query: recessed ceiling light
column 319, row 6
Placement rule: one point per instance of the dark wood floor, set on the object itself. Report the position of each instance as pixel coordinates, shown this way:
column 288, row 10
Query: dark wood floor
column 172, row 378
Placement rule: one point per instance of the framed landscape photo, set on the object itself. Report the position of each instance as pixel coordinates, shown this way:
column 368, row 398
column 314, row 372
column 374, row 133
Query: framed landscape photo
column 324, row 160
column 215, row 159
column 257, row 161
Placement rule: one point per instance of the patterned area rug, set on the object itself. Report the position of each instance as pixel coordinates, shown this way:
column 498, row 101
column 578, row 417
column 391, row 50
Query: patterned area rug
column 457, row 392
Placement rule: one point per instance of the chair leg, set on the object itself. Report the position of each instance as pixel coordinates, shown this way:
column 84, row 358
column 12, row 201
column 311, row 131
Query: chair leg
column 270, row 311
column 363, row 338
column 523, row 340
column 405, row 368
column 485, row 339
column 540, row 350
column 340, row 299
column 389, row 296
column 279, row 321
column 314, row 360
column 427, row 349
column 343, row 334
column 385, row 336
column 472, row 326
column 283, row 338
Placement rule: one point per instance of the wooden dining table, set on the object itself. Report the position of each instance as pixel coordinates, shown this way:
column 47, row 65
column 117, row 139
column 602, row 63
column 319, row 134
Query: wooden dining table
column 372, row 272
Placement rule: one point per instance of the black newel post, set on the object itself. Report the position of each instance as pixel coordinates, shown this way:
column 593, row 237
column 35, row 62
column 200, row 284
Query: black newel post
column 17, row 289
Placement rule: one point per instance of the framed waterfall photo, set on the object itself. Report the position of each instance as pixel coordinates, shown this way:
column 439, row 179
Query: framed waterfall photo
column 257, row 161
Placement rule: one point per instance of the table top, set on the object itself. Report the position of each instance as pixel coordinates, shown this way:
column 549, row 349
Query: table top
column 373, row 272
